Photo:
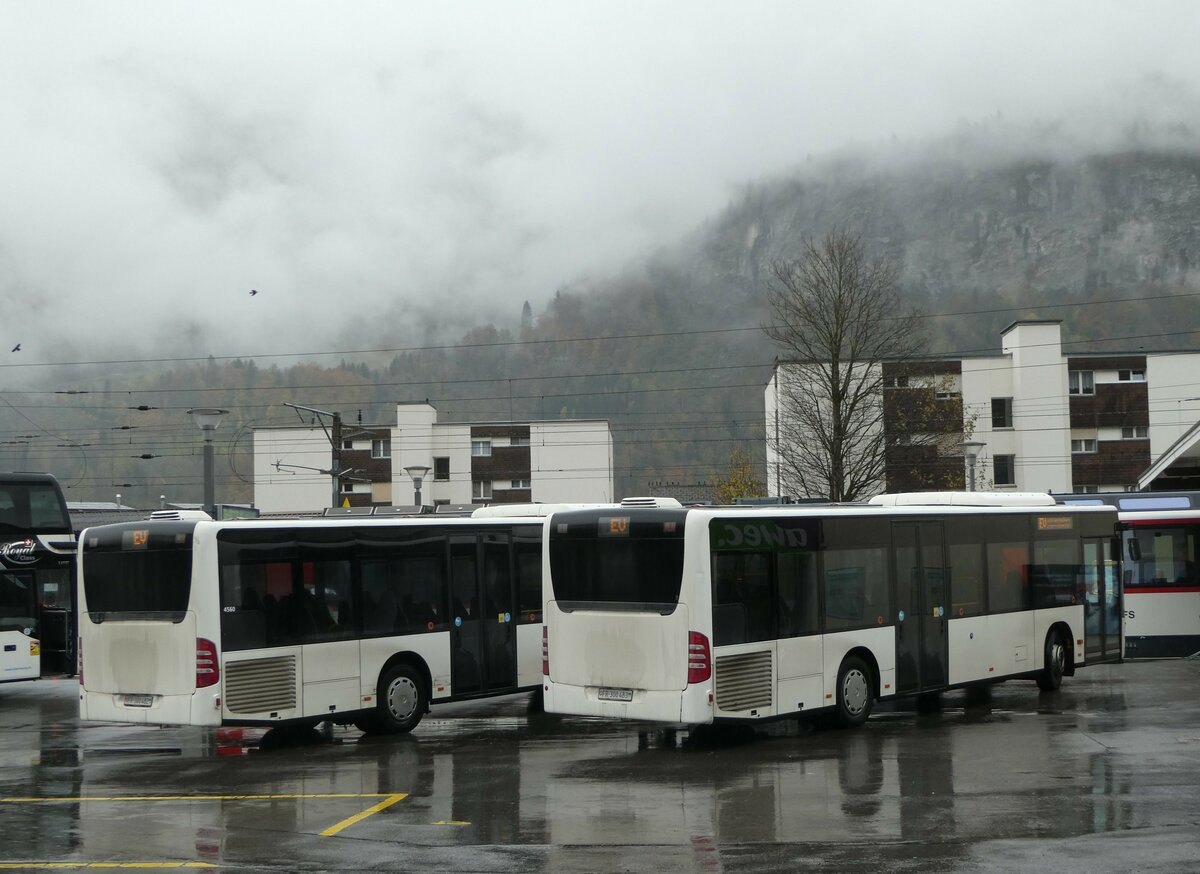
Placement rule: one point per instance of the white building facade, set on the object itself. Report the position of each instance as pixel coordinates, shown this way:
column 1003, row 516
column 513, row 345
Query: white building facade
column 464, row 464
column 1049, row 421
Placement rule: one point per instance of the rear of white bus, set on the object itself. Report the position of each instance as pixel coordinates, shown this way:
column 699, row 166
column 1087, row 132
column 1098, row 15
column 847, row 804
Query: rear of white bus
column 148, row 638
column 620, row 639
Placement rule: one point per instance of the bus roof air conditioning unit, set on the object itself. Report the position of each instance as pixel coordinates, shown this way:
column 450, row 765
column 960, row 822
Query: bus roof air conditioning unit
column 652, row 503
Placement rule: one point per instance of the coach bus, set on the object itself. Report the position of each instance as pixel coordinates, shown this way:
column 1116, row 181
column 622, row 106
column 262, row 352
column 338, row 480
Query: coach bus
column 353, row 620
column 1160, row 551
column 722, row 614
column 37, row 550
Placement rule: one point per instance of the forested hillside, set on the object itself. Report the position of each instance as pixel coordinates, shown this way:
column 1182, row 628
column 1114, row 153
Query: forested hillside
column 670, row 351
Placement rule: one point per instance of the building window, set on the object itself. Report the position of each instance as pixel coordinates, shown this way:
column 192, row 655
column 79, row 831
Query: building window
column 1081, row 382
column 895, row 382
column 1002, row 413
column 381, row 448
column 945, row 395
column 1087, row 445
column 481, row 447
column 347, row 444
column 441, row 469
column 1004, row 470
column 521, row 484
column 347, row 486
column 1131, row 375
column 481, row 490
column 520, row 441
column 1135, row 432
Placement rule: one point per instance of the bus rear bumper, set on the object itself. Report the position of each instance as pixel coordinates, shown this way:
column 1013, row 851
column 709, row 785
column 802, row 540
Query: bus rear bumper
column 196, row 708
column 646, row 705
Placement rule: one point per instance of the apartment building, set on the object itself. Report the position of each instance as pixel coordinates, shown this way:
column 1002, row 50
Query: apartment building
column 1041, row 419
column 307, row 468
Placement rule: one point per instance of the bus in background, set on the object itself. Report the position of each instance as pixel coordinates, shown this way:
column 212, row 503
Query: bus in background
column 363, row 620
column 37, row 550
column 1160, row 557
column 723, row 614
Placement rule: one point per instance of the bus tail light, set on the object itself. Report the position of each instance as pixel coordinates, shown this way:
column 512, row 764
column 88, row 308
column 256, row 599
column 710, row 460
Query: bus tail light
column 545, row 651
column 208, row 669
column 699, row 658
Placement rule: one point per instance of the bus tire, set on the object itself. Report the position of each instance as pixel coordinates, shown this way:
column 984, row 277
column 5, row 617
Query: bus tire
column 1051, row 676
column 401, row 702
column 855, row 688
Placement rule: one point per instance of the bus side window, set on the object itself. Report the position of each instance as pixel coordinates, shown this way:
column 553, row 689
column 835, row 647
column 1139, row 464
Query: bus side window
column 743, row 604
column 796, row 576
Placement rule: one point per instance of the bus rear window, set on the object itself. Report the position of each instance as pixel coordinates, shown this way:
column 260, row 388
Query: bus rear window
column 147, row 584
column 640, row 569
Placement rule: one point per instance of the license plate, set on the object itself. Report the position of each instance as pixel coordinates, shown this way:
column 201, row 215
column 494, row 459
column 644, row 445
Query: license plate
column 139, row 700
column 615, row 694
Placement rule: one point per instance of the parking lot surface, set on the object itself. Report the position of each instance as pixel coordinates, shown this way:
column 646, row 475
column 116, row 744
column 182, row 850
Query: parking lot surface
column 1103, row 775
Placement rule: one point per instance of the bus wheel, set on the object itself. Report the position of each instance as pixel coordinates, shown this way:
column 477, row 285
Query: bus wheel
column 1056, row 664
column 854, row 698
column 402, row 700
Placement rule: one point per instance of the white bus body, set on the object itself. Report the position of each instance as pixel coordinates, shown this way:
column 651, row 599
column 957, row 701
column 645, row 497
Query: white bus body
column 362, row 620
column 1160, row 564
column 741, row 614
column 1160, row 552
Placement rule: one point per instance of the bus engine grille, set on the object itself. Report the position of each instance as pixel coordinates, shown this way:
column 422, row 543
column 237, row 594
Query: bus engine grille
column 261, row 685
column 744, row 681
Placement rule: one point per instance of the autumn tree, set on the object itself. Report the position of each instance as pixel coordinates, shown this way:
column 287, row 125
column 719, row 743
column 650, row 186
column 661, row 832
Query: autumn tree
column 740, row 480
column 836, row 317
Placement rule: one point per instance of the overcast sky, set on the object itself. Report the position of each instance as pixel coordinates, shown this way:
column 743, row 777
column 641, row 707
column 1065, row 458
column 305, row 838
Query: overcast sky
column 360, row 163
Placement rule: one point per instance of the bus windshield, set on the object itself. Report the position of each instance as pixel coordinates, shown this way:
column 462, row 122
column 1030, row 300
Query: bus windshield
column 128, row 574
column 601, row 560
column 1165, row 556
column 33, row 506
column 16, row 601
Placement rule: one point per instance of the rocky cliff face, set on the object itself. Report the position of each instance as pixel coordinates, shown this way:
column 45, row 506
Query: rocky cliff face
column 1128, row 222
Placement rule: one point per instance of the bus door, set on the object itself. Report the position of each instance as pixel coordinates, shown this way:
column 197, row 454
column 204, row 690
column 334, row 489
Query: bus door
column 1102, row 601
column 482, row 633
column 920, row 574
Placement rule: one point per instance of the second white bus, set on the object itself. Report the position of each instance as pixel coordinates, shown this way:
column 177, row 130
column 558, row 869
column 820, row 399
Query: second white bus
column 703, row 615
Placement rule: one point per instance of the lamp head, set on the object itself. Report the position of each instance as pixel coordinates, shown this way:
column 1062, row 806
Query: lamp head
column 207, row 418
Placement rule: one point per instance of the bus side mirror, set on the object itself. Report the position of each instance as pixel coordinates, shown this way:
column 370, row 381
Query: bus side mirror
column 1135, row 550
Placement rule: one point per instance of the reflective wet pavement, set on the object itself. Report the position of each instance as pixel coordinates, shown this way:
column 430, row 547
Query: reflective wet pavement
column 1103, row 775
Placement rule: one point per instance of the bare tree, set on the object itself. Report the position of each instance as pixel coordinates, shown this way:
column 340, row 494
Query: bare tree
column 836, row 318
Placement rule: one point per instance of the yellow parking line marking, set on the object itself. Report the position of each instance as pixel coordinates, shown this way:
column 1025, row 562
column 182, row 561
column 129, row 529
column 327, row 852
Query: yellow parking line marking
column 373, row 809
column 389, row 798
column 77, row 798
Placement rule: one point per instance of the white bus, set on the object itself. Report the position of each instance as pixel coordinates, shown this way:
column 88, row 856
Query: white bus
column 695, row 616
column 354, row 620
column 1160, row 558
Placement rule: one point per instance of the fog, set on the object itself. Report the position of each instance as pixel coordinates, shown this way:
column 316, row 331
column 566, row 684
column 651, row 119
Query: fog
column 384, row 173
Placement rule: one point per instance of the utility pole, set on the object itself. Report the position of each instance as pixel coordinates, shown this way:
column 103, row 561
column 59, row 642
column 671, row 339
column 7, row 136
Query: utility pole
column 333, row 433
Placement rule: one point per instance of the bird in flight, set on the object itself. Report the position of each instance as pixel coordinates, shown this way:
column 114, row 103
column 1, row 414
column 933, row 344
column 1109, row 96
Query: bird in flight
column 17, row 348
column 253, row 292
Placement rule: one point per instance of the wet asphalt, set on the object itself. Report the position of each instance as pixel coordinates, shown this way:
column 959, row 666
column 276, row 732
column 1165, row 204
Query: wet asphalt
column 1103, row 775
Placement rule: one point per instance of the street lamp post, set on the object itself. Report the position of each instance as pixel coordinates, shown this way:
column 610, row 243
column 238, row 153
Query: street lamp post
column 971, row 450
column 417, row 472
column 207, row 419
